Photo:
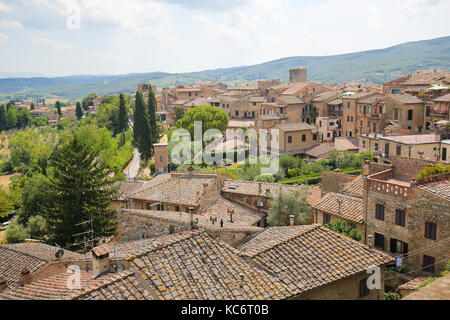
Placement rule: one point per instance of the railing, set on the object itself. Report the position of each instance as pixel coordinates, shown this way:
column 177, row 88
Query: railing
column 388, row 187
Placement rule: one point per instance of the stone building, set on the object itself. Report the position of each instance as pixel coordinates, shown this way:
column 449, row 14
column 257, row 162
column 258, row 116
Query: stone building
column 371, row 114
column 425, row 146
column 350, row 126
column 408, row 110
column 409, row 218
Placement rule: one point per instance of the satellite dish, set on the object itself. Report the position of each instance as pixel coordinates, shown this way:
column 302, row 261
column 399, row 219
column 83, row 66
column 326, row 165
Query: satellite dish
column 59, row 253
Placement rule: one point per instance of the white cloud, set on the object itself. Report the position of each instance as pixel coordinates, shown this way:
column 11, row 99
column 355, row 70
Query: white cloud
column 57, row 45
column 4, row 7
column 10, row 24
column 3, row 38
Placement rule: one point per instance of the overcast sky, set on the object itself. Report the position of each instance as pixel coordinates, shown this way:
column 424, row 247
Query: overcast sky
column 66, row 37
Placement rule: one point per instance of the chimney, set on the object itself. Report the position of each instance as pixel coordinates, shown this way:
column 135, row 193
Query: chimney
column 191, row 217
column 25, row 276
column 231, row 215
column 260, row 187
column 241, row 283
column 100, row 260
column 291, row 220
column 3, row 284
column 370, row 241
column 366, row 168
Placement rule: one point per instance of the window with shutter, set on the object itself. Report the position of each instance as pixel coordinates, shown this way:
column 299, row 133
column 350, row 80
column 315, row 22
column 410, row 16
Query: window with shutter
column 400, row 217
column 326, row 218
column 393, row 245
column 430, row 230
column 379, row 240
column 379, row 212
column 428, row 264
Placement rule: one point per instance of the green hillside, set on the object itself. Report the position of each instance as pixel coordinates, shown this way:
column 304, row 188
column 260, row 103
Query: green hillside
column 375, row 66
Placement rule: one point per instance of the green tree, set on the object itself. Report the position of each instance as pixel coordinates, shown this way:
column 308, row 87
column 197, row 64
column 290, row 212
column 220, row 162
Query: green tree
column 6, row 206
column 3, row 125
column 58, row 107
column 178, row 113
column 24, row 118
column 88, row 101
column 123, row 114
column 285, row 204
column 32, row 107
column 343, row 228
column 108, row 117
column 32, row 193
column 151, row 108
column 37, row 227
column 11, row 117
column 79, row 190
column 79, row 111
column 211, row 118
column 142, row 133
column 16, row 232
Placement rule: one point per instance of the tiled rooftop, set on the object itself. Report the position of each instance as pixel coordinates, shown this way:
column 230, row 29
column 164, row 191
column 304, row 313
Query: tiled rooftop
column 252, row 188
column 300, row 126
column 350, row 208
column 174, row 190
column 355, row 187
column 439, row 188
column 242, row 214
column 195, row 266
column 119, row 286
column 33, row 256
column 405, row 98
column 439, row 289
column 315, row 257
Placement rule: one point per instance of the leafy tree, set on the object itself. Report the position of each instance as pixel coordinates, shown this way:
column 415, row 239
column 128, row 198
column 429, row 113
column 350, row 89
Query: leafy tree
column 37, row 227
column 79, row 190
column 88, row 101
column 24, row 118
column 178, row 113
column 343, row 228
column 123, row 114
column 32, row 193
column 27, row 149
column 79, row 111
column 39, row 121
column 211, row 117
column 6, row 205
column 108, row 117
column 151, row 107
column 11, row 117
column 264, row 178
column 285, row 204
column 62, row 124
column 16, row 232
column 142, row 133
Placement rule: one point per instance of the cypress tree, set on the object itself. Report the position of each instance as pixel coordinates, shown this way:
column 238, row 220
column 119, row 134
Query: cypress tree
column 79, row 111
column 152, row 114
column 32, row 107
column 79, row 190
column 141, row 129
column 58, row 107
column 2, row 117
column 123, row 114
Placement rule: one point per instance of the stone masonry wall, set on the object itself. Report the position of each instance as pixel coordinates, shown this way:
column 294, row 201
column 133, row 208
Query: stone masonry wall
column 334, row 181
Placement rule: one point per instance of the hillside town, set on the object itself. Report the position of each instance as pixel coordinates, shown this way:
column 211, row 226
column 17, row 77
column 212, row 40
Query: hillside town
column 208, row 235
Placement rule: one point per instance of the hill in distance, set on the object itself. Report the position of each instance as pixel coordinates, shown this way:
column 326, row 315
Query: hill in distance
column 375, row 66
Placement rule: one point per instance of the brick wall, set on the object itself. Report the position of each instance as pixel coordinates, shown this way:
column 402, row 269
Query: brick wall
column 406, row 168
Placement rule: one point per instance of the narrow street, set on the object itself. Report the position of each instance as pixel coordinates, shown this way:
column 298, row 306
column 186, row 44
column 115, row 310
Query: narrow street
column 133, row 168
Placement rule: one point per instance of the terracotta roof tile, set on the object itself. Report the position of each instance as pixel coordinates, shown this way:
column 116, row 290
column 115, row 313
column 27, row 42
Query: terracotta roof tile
column 315, row 257
column 195, row 266
column 242, row 214
column 355, row 187
column 439, row 188
column 350, row 208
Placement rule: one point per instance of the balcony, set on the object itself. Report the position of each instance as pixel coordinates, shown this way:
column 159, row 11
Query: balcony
column 385, row 183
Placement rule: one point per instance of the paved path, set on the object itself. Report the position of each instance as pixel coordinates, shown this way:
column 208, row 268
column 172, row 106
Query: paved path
column 133, row 168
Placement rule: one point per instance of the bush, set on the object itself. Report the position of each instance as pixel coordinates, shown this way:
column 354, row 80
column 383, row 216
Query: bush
column 16, row 232
column 264, row 178
column 294, row 172
column 37, row 227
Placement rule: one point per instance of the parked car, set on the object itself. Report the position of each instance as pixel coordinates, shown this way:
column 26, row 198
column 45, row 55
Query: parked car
column 5, row 225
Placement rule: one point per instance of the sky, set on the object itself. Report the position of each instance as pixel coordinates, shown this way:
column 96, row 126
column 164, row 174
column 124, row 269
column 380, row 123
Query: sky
column 72, row 37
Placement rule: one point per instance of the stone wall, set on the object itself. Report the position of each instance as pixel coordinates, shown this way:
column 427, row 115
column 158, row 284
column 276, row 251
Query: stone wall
column 334, row 181
column 407, row 168
column 139, row 224
column 420, row 208
column 345, row 289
